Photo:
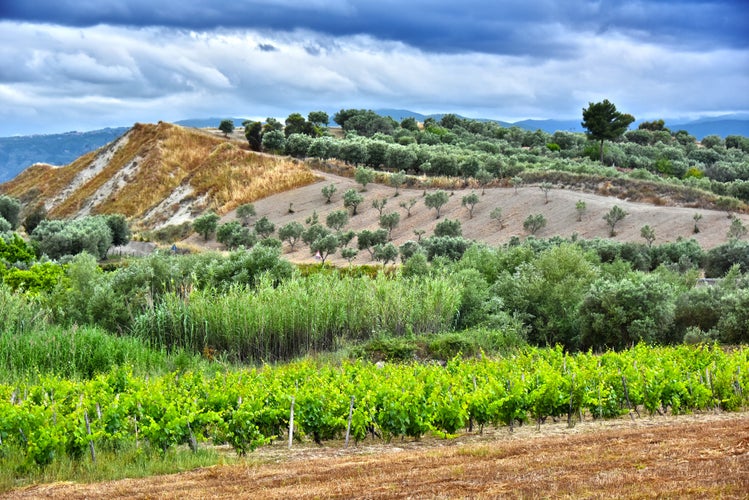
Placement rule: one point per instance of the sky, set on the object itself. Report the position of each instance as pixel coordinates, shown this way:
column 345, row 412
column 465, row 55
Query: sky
column 87, row 64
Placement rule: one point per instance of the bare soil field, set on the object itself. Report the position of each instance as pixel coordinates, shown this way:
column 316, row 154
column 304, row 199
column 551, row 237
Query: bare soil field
column 694, row 456
column 669, row 222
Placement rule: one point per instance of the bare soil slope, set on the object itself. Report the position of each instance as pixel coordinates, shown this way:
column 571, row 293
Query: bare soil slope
column 704, row 456
column 669, row 222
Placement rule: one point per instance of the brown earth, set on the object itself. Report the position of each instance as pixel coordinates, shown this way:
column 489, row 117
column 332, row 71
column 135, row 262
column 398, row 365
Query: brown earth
column 696, row 456
column 669, row 222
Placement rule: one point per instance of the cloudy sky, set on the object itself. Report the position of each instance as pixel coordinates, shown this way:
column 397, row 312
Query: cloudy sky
column 86, row 64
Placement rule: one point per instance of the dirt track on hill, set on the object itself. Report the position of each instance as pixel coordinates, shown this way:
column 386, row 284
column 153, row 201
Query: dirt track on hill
column 700, row 456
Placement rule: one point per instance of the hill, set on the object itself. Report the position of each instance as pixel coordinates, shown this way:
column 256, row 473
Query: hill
column 156, row 175
column 164, row 174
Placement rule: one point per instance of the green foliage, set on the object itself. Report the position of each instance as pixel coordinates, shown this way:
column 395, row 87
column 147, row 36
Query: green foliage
column 14, row 250
column 385, row 253
column 41, row 277
column 245, row 212
column 617, row 314
column 328, row 192
column 364, row 176
column 534, row 223
column 720, row 259
column 291, row 232
column 546, row 187
column 436, row 200
column 397, row 180
column 648, row 233
column 367, row 240
column 226, row 126
column 449, row 247
column 37, row 215
column 408, row 205
column 274, row 142
column 233, row 235
column 57, row 238
column 613, row 217
column 389, row 222
column 349, row 254
column 253, row 132
column 497, row 215
column 470, row 201
column 10, row 209
column 379, row 204
column 120, row 229
column 318, row 118
column 448, row 227
column 580, row 207
column 296, row 124
column 352, row 199
column 264, row 227
column 737, row 230
column 324, row 246
column 206, row 224
column 603, row 122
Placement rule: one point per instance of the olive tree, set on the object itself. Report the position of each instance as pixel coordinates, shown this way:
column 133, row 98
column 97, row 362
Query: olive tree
column 324, row 246
column 206, row 224
column 337, row 219
column 245, row 212
column 612, row 218
column 291, row 232
column 436, row 200
column 352, row 199
column 648, row 233
column 328, row 192
column 227, row 127
column 498, row 216
column 397, row 180
column 534, row 223
column 389, row 221
column 364, row 176
column 264, row 227
column 470, row 201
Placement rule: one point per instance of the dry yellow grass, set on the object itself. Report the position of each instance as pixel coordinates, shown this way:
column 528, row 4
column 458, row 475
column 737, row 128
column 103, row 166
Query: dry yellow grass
column 671, row 457
column 152, row 164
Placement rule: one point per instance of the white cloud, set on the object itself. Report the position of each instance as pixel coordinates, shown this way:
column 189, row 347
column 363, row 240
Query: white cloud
column 115, row 76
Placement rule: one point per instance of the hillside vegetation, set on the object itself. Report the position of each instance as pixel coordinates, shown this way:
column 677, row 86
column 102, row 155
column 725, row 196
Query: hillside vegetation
column 157, row 174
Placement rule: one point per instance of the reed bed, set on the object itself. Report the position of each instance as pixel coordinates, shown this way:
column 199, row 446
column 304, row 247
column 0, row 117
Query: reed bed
column 76, row 352
column 20, row 314
column 299, row 316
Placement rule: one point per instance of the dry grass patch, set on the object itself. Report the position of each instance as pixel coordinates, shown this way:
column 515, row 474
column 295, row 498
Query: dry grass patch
column 151, row 163
column 673, row 457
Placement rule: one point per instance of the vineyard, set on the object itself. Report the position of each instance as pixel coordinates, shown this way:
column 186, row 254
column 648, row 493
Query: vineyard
column 54, row 417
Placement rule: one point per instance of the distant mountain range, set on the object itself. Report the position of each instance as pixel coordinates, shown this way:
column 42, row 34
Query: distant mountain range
column 17, row 153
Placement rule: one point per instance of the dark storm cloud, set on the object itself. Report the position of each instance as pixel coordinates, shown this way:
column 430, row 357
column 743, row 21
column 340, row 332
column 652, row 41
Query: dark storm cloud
column 517, row 27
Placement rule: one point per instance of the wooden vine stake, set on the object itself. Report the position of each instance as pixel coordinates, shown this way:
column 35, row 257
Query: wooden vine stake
column 291, row 422
column 90, row 439
column 348, row 425
column 626, row 395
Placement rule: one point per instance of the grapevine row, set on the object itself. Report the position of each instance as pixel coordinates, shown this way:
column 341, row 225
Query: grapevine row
column 249, row 408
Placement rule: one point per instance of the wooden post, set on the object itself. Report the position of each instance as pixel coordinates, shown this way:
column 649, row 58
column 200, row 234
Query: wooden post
column 570, row 423
column 350, row 416
column 626, row 395
column 291, row 423
column 90, row 440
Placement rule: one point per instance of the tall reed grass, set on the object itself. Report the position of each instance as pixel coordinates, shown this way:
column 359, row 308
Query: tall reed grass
column 300, row 316
column 20, row 313
column 80, row 353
